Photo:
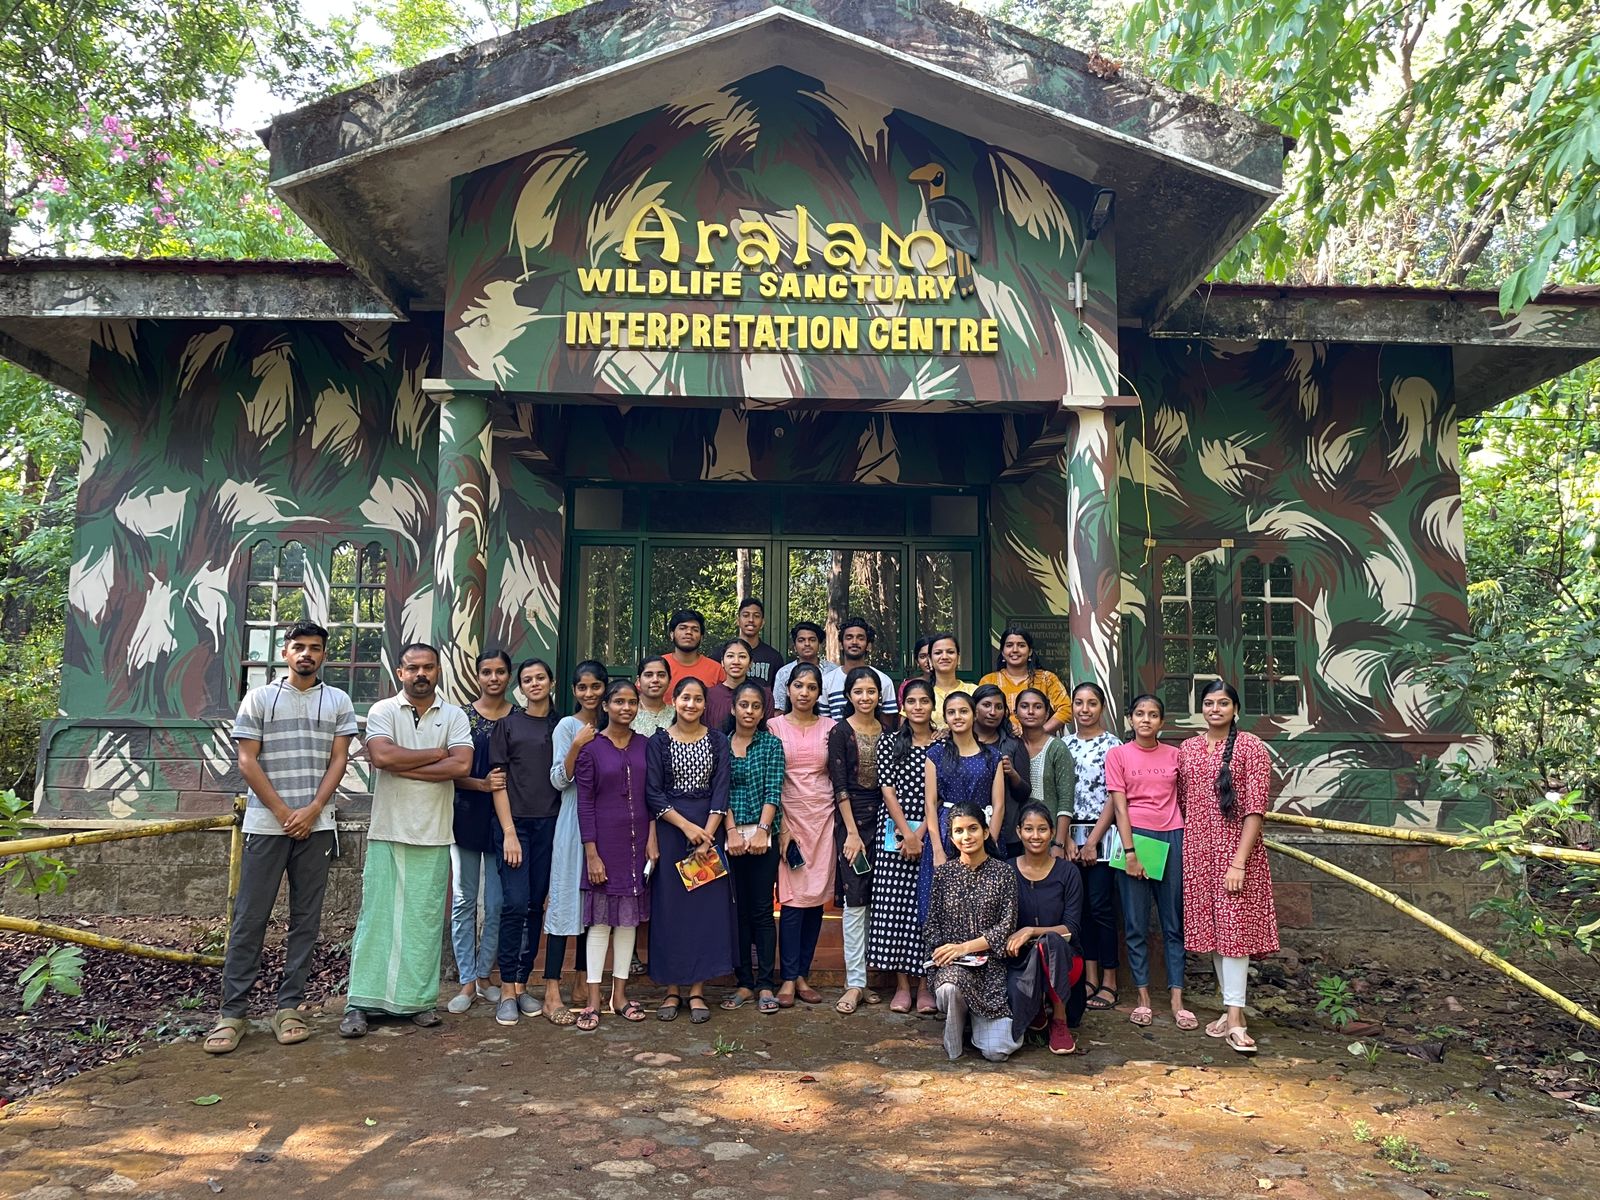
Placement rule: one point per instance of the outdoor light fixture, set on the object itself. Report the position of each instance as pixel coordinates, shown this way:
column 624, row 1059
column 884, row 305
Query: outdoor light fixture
column 1099, row 214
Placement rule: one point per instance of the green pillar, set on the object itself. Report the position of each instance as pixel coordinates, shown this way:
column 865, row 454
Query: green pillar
column 462, row 512
column 1094, row 571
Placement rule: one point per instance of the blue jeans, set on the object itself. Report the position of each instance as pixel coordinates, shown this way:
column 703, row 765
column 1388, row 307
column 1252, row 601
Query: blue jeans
column 1167, row 893
column 524, row 888
column 798, row 931
column 475, row 953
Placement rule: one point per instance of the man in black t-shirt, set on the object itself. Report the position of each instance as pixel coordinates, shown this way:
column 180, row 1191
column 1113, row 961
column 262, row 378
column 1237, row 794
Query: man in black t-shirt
column 764, row 660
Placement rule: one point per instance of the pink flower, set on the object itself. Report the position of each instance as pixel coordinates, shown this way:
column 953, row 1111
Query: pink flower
column 275, row 210
column 39, row 204
column 57, row 185
column 118, row 156
column 110, row 124
column 163, row 157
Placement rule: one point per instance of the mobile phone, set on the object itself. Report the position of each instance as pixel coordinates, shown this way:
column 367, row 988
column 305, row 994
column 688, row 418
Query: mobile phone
column 891, row 838
column 861, row 864
column 793, row 857
column 649, row 867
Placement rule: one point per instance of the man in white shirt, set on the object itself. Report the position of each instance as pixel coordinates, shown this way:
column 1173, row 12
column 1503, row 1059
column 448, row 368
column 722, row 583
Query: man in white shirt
column 293, row 736
column 417, row 746
column 806, row 641
column 855, row 641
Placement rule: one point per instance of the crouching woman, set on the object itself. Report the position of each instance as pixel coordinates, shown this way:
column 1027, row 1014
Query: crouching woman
column 971, row 913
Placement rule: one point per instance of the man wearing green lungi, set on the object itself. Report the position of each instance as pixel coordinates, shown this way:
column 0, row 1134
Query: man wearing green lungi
column 417, row 746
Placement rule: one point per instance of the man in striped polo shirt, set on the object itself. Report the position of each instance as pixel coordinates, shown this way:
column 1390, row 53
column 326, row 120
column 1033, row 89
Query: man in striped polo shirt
column 293, row 736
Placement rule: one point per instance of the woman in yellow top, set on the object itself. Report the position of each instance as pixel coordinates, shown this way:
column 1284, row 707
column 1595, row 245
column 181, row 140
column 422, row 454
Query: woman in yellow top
column 944, row 657
column 1018, row 668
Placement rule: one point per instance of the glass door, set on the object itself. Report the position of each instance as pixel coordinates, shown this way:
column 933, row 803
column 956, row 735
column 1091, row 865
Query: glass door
column 708, row 578
column 827, row 584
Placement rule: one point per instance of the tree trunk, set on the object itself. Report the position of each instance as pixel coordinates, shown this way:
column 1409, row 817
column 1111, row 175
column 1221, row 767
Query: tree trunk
column 839, row 567
column 741, row 573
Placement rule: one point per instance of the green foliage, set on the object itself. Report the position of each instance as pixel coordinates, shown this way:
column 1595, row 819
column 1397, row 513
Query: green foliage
column 1469, row 124
column 1335, row 1000
column 34, row 874
column 1362, row 1132
column 59, row 969
column 159, row 68
column 412, row 31
column 1401, row 1153
column 1367, row 1052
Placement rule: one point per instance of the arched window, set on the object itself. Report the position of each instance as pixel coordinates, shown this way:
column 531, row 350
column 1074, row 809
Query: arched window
column 1269, row 680
column 357, row 583
column 275, row 598
column 1187, row 628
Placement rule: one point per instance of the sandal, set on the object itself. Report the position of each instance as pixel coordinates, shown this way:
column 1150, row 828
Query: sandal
column 768, row 1004
column 737, row 999
column 872, row 997
column 588, row 1020
column 225, row 1035
column 1142, row 1015
column 560, row 1015
column 701, row 1015
column 1097, row 1004
column 848, row 1002
column 1240, row 1040
column 289, row 1027
column 1218, row 1028
column 631, row 1011
column 668, row 1011
column 1186, row 1019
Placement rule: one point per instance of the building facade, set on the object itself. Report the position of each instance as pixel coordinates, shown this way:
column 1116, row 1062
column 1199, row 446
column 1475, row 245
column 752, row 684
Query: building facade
column 872, row 307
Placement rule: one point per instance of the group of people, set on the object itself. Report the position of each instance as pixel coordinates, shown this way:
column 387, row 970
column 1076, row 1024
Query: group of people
column 978, row 839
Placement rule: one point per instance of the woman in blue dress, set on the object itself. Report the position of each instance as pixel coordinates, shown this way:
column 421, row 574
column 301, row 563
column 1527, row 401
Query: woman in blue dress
column 958, row 768
column 687, row 775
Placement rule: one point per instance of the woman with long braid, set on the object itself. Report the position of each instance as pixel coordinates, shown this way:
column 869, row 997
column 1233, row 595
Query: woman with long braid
column 1224, row 786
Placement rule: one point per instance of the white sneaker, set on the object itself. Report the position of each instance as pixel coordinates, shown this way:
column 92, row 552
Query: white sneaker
column 459, row 1003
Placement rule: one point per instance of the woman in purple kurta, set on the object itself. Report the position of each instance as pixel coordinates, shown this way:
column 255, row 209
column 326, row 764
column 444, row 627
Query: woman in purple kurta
column 618, row 839
column 692, row 934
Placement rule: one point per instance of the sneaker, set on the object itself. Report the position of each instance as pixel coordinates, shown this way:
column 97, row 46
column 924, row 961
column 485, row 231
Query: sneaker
column 459, row 1003
column 529, row 1004
column 505, row 1012
column 490, row 993
column 1061, row 1040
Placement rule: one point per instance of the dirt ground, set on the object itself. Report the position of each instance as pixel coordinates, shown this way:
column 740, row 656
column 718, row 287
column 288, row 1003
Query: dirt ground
column 804, row 1103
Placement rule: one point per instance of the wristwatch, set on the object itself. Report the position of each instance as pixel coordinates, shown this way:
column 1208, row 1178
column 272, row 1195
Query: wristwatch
column 1058, row 845
column 764, row 827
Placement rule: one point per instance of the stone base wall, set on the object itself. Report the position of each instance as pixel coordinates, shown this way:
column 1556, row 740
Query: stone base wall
column 187, row 874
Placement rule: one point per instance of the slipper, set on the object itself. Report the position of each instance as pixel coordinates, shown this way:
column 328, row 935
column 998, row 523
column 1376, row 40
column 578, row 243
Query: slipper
column 735, row 1000
column 631, row 1011
column 560, row 1015
column 354, row 1024
column 1142, row 1015
column 225, row 1035
column 785, row 1001
column 1186, row 1019
column 668, row 1011
column 901, row 1003
column 588, row 1020
column 289, row 1027
column 1097, row 1004
column 848, row 1002
column 872, row 997
column 1218, row 1028
column 808, row 995
column 428, row 1019
column 768, row 1004
column 701, row 1015
column 1240, row 1040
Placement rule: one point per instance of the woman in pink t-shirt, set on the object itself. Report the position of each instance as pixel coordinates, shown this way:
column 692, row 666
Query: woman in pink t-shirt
column 1142, row 785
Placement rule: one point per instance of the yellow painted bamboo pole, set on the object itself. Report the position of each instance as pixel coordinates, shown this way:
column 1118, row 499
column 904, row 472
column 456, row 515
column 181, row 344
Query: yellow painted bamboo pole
column 1460, row 940
column 235, row 863
column 1588, row 858
column 88, row 837
column 100, row 941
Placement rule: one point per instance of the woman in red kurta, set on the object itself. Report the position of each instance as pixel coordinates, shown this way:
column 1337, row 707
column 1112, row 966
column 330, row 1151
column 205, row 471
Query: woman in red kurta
column 1224, row 785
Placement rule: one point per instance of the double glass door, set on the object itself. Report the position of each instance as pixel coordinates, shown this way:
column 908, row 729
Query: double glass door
column 627, row 584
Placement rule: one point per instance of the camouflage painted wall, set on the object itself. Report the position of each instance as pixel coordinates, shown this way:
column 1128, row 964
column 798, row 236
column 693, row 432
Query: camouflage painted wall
column 1342, row 461
column 755, row 150
column 199, row 440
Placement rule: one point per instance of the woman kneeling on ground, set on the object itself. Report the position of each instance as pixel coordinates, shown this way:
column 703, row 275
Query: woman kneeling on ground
column 971, row 913
column 1045, row 982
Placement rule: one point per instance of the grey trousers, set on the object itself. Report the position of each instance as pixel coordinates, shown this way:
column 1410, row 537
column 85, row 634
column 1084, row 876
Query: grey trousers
column 267, row 859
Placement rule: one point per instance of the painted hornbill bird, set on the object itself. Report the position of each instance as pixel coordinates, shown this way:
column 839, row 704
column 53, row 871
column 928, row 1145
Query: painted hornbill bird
column 952, row 220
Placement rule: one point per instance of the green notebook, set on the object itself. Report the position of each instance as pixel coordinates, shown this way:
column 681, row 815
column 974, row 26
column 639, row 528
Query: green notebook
column 1152, row 855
